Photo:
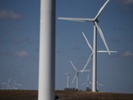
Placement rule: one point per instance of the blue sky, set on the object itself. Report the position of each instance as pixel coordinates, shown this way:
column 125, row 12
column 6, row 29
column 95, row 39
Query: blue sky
column 19, row 42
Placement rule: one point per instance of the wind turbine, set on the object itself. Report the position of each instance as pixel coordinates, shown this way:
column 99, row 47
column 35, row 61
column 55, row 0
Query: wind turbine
column 87, row 82
column 99, row 84
column 94, row 20
column 68, row 80
column 16, row 85
column 99, row 51
column 7, row 84
column 96, row 27
column 76, row 77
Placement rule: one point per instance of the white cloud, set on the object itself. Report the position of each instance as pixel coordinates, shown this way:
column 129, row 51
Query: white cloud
column 8, row 14
column 22, row 54
column 127, row 54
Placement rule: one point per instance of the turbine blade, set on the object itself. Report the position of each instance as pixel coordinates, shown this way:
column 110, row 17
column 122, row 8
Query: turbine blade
column 89, row 59
column 105, row 51
column 74, row 78
column 101, row 9
column 76, row 19
column 102, row 36
column 100, row 84
column 87, row 41
column 73, row 65
column 85, row 71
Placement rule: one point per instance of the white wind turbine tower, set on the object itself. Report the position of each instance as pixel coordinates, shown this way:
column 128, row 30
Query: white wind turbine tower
column 46, row 85
column 68, row 79
column 96, row 27
column 76, row 77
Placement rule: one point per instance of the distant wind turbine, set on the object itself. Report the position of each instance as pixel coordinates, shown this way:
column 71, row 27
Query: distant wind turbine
column 76, row 77
column 7, row 84
column 99, row 51
column 87, row 82
column 68, row 79
column 99, row 84
column 16, row 85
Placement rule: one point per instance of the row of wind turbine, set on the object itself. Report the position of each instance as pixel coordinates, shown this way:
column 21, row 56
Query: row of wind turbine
column 10, row 84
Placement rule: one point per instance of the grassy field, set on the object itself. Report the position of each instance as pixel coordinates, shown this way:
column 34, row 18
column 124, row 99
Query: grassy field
column 63, row 95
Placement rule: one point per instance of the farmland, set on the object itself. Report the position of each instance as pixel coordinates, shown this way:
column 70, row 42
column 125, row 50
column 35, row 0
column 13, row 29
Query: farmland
column 63, row 95
column 82, row 95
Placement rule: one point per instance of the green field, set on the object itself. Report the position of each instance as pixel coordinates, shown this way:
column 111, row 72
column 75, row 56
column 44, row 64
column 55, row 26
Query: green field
column 63, row 95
